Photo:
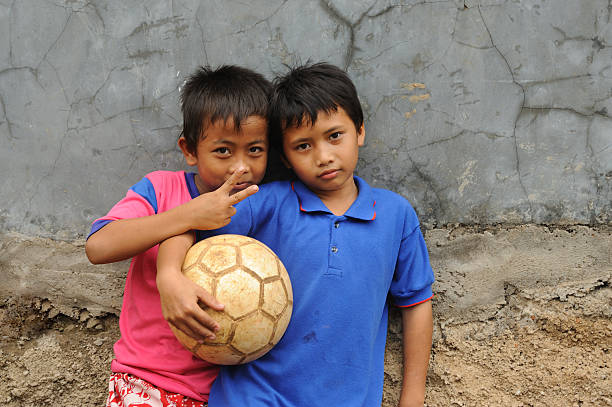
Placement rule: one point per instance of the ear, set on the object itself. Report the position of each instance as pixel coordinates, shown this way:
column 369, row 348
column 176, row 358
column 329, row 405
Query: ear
column 361, row 135
column 190, row 158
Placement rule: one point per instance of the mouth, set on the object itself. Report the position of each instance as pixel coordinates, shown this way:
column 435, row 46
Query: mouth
column 242, row 185
column 329, row 174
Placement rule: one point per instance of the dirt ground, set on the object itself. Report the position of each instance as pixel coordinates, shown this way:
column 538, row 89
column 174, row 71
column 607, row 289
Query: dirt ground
column 542, row 345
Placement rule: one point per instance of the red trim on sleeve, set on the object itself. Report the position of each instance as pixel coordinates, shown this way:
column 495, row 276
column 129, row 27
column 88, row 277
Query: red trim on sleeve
column 416, row 303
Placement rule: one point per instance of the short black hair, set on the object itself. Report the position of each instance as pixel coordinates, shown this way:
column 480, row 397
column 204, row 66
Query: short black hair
column 220, row 94
column 303, row 92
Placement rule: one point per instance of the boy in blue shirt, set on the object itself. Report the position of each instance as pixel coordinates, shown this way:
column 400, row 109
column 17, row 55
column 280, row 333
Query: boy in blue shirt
column 350, row 250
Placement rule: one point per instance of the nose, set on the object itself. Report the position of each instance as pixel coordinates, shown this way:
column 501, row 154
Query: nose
column 323, row 155
column 240, row 162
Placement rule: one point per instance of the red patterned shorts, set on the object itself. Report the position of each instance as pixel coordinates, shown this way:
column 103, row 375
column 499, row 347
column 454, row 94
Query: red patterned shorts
column 125, row 390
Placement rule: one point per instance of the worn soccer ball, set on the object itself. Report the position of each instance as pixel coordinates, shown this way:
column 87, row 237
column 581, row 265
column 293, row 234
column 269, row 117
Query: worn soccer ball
column 250, row 280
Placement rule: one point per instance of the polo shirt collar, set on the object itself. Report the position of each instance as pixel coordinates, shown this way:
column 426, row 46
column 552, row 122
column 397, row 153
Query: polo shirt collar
column 363, row 207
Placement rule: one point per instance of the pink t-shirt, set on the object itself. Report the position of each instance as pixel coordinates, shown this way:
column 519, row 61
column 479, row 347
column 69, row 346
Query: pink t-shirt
column 147, row 347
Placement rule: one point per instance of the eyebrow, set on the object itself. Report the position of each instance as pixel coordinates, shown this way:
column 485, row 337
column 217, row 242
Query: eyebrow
column 333, row 128
column 259, row 141
column 307, row 138
column 223, row 141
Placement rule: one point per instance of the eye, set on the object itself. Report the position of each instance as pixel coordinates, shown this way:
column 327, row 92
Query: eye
column 302, row 147
column 256, row 149
column 335, row 136
column 222, row 151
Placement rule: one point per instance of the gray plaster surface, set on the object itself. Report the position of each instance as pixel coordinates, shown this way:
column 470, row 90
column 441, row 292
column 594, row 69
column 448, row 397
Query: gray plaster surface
column 476, row 111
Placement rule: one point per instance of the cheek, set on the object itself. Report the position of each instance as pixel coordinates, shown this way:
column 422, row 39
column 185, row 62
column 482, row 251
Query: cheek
column 259, row 166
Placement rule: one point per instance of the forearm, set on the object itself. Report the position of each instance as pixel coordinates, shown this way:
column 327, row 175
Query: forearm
column 417, row 324
column 180, row 297
column 125, row 238
column 171, row 255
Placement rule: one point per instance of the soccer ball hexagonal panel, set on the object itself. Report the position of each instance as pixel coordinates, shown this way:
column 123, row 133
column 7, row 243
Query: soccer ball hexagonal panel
column 239, row 291
column 201, row 278
column 261, row 261
column 253, row 333
column 219, row 258
column 275, row 298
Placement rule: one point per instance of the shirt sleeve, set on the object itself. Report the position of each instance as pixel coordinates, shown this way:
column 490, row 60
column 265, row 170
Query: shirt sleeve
column 413, row 276
column 140, row 200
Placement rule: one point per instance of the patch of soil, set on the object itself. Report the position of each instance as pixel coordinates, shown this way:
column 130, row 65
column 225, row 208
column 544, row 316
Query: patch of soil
column 546, row 356
column 59, row 361
column 537, row 354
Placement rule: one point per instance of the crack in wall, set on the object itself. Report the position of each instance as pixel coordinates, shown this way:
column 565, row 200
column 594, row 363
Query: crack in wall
column 197, row 20
column 263, row 20
column 441, row 207
column 59, row 80
column 244, row 30
column 11, row 62
column 42, row 178
column 96, row 11
column 9, row 125
column 527, row 83
column 44, row 57
column 516, row 152
column 336, row 15
column 595, row 177
column 565, row 109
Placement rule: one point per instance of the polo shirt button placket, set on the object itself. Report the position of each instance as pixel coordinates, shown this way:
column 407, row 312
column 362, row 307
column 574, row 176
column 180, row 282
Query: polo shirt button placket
column 334, row 247
column 335, row 264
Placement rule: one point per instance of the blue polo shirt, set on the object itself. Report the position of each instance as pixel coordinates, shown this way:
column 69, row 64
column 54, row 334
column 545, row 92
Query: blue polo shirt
column 344, row 271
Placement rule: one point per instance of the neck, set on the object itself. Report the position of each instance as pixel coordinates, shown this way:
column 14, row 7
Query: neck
column 340, row 200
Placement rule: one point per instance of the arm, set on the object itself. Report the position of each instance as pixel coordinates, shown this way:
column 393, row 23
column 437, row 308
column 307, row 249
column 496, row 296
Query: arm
column 125, row 238
column 417, row 322
column 180, row 297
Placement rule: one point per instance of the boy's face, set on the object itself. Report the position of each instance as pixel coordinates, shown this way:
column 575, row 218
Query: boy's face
column 223, row 150
column 324, row 155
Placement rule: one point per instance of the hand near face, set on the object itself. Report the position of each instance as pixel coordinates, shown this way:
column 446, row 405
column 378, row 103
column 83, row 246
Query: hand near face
column 215, row 209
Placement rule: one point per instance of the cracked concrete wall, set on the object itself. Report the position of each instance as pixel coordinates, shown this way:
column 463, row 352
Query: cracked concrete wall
column 485, row 111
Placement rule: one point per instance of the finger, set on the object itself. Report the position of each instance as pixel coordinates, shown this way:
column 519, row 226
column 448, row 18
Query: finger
column 204, row 325
column 209, row 300
column 244, row 194
column 198, row 332
column 202, row 332
column 233, row 179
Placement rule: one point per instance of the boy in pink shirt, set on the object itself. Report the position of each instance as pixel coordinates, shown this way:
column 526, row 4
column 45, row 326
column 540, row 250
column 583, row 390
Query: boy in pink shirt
column 225, row 137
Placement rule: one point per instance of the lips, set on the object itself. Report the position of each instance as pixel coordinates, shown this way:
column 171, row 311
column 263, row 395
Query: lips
column 329, row 174
column 242, row 185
